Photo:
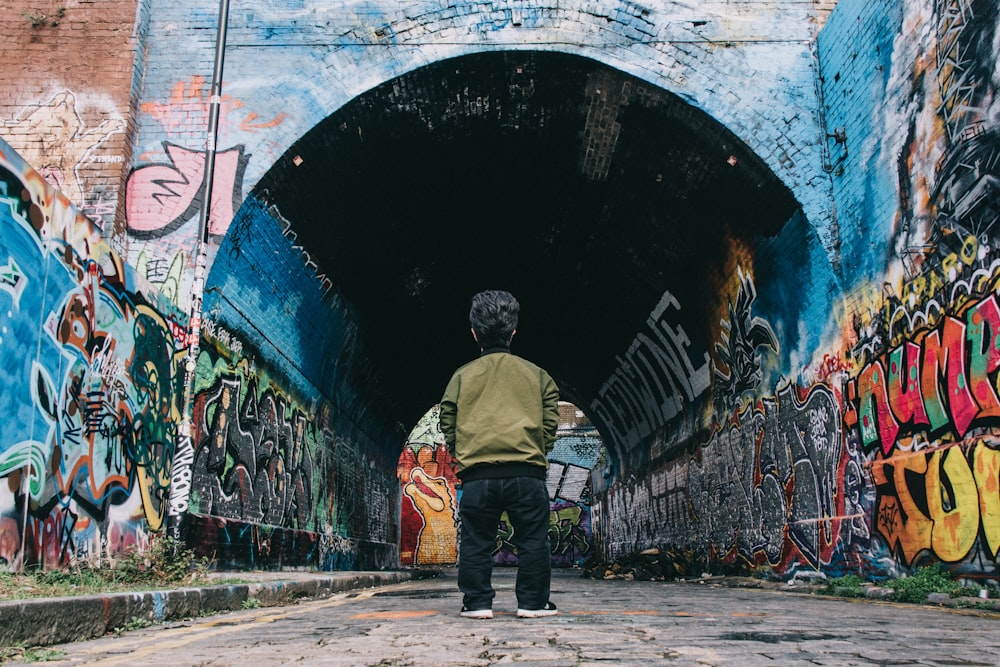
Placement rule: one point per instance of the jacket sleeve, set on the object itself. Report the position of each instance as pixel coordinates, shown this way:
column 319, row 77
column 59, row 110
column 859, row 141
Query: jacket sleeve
column 448, row 413
column 550, row 410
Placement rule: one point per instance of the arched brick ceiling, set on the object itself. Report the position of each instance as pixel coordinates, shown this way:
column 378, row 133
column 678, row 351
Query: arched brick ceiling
column 584, row 191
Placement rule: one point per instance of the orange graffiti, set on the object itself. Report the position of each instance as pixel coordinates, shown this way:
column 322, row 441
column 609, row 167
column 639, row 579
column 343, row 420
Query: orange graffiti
column 248, row 124
column 188, row 108
column 986, row 470
column 432, row 496
column 938, row 501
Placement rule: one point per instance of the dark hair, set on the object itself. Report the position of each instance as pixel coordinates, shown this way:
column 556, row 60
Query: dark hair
column 493, row 317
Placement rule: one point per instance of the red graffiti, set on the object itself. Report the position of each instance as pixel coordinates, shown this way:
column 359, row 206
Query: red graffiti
column 159, row 198
column 830, row 366
column 944, row 382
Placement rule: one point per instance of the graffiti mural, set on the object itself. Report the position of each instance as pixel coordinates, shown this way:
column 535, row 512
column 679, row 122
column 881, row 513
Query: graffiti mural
column 883, row 454
column 925, row 412
column 577, row 451
column 743, row 337
column 654, row 381
column 252, row 462
column 765, row 489
column 89, row 374
column 70, row 147
column 165, row 190
column 272, row 482
column 922, row 401
column 429, row 508
column 160, row 198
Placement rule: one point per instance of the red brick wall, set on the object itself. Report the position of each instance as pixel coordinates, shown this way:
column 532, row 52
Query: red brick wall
column 65, row 96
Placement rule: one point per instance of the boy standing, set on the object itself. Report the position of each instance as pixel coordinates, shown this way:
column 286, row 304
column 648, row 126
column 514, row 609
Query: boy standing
column 499, row 416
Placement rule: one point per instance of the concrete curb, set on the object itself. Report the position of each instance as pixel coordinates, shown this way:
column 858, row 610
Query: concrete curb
column 45, row 621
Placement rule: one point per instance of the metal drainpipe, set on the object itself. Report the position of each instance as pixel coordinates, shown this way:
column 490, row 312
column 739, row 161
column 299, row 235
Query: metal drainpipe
column 184, row 449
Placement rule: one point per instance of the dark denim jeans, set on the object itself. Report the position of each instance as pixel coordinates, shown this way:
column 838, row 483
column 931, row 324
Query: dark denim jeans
column 526, row 501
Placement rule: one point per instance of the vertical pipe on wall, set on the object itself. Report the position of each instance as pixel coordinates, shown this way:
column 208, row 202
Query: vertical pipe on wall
column 184, row 450
column 213, row 120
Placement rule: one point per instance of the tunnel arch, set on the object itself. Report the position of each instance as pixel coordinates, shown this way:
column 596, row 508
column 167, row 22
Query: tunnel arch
column 623, row 218
column 587, row 192
column 289, row 68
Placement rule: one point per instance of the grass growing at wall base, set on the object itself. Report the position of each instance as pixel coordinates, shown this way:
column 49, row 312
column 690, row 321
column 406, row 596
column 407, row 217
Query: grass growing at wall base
column 164, row 564
column 914, row 588
column 30, row 654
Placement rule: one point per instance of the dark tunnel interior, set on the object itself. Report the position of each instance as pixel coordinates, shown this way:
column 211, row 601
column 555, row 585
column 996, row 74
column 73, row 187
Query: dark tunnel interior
column 583, row 190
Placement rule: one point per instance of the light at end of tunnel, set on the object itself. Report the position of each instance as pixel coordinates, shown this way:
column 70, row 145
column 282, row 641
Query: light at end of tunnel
column 297, row 160
column 732, row 161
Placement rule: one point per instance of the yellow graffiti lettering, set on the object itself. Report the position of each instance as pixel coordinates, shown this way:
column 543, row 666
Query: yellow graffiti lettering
column 953, row 507
column 949, row 263
column 986, row 467
column 916, row 526
column 969, row 250
column 934, row 283
column 961, row 499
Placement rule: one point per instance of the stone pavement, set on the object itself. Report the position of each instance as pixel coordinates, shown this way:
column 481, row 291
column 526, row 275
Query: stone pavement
column 416, row 624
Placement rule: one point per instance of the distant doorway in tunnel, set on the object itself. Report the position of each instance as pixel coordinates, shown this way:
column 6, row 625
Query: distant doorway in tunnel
column 430, row 494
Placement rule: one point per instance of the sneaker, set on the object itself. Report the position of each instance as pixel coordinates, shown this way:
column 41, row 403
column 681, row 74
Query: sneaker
column 477, row 613
column 548, row 610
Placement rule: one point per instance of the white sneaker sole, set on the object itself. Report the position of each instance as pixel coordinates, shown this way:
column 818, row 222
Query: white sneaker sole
column 478, row 613
column 536, row 613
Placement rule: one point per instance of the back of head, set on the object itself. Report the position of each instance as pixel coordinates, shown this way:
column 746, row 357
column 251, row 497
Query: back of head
column 493, row 317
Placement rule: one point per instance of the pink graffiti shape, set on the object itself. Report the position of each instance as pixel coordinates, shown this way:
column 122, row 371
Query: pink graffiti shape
column 161, row 197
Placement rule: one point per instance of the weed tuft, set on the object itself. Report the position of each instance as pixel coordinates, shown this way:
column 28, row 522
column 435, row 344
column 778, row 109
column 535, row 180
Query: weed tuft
column 40, row 20
column 134, row 623
column 166, row 560
column 923, row 582
column 915, row 587
column 30, row 654
column 847, row 586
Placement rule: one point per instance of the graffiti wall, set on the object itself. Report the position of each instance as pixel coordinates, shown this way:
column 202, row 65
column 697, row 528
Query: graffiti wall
column 855, row 432
column 287, row 464
column 165, row 193
column 431, row 492
column 89, row 359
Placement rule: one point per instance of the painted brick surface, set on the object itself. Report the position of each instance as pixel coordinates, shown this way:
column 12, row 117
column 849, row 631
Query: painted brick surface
column 842, row 417
column 872, row 447
column 89, row 358
column 289, row 67
column 66, row 106
column 292, row 462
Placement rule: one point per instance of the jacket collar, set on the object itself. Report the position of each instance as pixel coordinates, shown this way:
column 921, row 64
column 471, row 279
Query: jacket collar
column 493, row 349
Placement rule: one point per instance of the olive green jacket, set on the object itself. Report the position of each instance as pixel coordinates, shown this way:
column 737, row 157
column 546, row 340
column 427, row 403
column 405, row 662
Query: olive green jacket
column 500, row 409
